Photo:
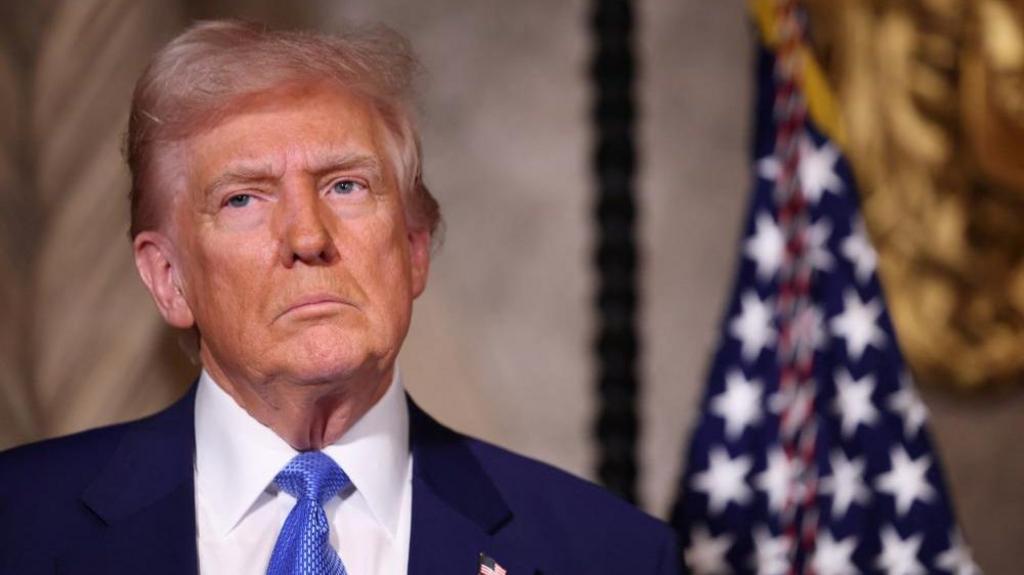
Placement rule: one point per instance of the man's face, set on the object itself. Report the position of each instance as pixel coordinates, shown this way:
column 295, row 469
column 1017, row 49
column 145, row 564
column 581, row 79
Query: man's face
column 293, row 253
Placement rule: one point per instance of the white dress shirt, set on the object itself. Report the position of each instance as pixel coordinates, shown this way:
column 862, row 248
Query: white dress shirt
column 239, row 510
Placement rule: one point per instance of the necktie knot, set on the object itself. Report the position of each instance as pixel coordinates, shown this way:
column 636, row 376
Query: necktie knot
column 302, row 547
column 313, row 476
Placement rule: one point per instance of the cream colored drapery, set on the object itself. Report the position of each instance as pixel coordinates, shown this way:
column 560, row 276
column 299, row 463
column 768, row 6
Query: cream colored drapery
column 77, row 331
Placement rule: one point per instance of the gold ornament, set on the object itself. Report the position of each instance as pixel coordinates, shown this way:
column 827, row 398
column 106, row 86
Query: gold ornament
column 931, row 96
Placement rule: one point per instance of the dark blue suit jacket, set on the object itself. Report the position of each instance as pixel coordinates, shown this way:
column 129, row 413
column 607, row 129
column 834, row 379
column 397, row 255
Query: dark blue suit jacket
column 120, row 499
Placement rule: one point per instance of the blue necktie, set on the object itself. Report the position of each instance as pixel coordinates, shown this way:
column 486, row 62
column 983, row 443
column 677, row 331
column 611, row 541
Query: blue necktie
column 303, row 547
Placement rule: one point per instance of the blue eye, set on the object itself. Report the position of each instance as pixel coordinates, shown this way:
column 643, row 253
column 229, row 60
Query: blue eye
column 345, row 187
column 239, row 200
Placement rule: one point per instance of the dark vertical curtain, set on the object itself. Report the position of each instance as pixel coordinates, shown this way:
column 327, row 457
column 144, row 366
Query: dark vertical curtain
column 617, row 344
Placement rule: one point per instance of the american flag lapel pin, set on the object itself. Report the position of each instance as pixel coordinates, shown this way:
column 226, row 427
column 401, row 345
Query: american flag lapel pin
column 488, row 566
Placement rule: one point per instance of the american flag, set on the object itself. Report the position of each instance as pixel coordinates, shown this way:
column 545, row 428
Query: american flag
column 811, row 453
column 488, row 566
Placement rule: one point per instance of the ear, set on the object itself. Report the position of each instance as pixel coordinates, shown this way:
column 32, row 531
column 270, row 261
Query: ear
column 419, row 257
column 154, row 258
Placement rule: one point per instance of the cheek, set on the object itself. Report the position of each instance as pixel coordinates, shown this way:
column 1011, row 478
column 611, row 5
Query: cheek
column 383, row 273
column 229, row 284
column 392, row 258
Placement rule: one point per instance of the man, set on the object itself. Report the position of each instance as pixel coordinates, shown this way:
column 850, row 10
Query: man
column 279, row 216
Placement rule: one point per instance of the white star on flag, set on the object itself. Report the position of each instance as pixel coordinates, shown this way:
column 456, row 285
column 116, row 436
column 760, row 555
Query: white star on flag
column 753, row 326
column 845, row 484
column 818, row 252
column 858, row 324
column 766, row 246
column 859, row 251
column 833, row 557
column 778, row 477
column 706, row 554
column 768, row 168
column 957, row 559
column 739, row 405
column 908, row 405
column 816, row 170
column 724, row 480
column 853, row 401
column 771, row 554
column 906, row 480
column 899, row 556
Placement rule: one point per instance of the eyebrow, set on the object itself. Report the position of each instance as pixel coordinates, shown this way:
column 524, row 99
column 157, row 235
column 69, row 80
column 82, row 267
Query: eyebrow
column 242, row 173
column 252, row 172
column 328, row 163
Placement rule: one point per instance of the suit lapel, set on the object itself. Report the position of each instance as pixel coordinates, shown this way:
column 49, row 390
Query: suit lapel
column 457, row 511
column 146, row 497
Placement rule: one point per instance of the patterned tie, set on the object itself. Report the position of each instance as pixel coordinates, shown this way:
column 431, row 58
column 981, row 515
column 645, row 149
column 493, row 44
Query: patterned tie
column 302, row 547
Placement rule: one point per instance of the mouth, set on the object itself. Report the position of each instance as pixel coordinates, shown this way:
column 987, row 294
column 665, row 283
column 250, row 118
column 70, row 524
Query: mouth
column 313, row 305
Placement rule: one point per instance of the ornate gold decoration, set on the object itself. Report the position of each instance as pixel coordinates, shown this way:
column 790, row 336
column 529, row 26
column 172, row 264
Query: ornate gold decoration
column 931, row 94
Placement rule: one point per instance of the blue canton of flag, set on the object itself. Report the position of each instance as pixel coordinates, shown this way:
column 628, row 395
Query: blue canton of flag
column 835, row 477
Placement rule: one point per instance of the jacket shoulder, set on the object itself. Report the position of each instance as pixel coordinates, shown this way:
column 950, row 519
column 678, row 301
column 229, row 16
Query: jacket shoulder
column 591, row 525
column 50, row 488
column 67, row 464
column 41, row 500
column 58, row 464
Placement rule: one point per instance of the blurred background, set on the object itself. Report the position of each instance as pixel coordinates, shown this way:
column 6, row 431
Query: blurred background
column 933, row 97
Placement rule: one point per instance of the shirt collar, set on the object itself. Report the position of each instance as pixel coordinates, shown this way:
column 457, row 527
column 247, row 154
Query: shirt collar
column 237, row 457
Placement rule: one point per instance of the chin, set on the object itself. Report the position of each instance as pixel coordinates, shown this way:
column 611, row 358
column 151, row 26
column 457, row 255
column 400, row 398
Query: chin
column 319, row 360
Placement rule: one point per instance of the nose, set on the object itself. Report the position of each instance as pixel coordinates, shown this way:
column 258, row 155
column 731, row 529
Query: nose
column 306, row 231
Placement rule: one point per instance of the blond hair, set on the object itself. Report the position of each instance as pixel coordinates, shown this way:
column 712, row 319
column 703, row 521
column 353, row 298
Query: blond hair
column 195, row 80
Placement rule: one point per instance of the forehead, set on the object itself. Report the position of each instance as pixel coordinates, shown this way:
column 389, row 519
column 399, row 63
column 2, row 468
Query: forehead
column 292, row 129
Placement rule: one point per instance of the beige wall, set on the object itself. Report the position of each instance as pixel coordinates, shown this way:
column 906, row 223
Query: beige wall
column 500, row 341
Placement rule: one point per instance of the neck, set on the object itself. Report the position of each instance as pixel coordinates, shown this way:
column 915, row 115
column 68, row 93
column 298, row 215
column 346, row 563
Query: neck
column 306, row 414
